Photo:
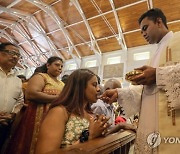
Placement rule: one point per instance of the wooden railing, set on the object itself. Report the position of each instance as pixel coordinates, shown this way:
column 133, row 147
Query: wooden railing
column 117, row 143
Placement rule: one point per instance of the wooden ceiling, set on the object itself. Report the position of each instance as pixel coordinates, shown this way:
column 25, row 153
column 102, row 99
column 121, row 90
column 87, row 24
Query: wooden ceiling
column 77, row 28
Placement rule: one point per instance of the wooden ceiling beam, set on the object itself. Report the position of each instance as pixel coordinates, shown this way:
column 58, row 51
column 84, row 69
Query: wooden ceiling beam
column 120, row 38
column 49, row 41
column 17, row 27
column 175, row 21
column 32, row 21
column 36, row 49
column 93, row 41
column 150, row 4
column 34, row 24
column 67, row 26
column 12, row 4
column 8, row 37
column 103, row 25
column 103, row 16
column 111, row 11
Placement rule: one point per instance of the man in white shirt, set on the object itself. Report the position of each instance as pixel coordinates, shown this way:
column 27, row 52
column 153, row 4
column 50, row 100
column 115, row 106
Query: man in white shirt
column 11, row 95
column 161, row 85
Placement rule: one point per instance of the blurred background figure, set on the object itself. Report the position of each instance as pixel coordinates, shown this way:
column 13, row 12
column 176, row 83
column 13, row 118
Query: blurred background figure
column 101, row 107
column 65, row 78
column 112, row 84
column 22, row 77
column 24, row 83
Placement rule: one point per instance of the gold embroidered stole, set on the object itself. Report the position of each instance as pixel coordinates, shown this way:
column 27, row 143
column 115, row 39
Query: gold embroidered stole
column 169, row 118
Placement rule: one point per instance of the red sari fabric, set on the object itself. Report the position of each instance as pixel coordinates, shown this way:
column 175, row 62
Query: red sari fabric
column 20, row 142
column 24, row 138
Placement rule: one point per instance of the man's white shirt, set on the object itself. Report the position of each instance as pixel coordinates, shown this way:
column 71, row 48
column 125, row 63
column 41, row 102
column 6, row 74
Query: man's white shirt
column 10, row 91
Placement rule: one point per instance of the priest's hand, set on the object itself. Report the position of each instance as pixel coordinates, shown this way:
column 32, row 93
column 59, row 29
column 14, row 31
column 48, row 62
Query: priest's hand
column 148, row 77
column 109, row 96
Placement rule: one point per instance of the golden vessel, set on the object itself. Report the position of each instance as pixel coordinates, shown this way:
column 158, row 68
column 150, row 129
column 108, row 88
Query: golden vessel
column 130, row 75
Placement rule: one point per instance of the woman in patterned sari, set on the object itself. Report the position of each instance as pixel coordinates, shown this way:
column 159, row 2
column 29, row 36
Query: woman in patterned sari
column 70, row 119
column 42, row 89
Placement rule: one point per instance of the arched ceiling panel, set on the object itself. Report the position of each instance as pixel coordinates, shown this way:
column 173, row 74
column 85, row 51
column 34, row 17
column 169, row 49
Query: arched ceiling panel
column 29, row 29
column 170, row 7
column 26, row 7
column 134, row 39
column 58, row 39
column 28, row 48
column 46, row 22
column 175, row 27
column 9, row 31
column 81, row 30
column 30, row 8
column 67, row 27
column 85, row 50
column 75, row 37
column 50, row 1
column 42, row 59
column 66, row 55
column 67, row 12
column 34, row 55
column 75, row 53
column 89, row 7
column 119, row 3
column 8, row 17
column 112, row 45
column 6, row 2
column 129, row 16
column 19, row 37
column 100, row 27
column 2, row 39
column 111, row 19
column 42, row 43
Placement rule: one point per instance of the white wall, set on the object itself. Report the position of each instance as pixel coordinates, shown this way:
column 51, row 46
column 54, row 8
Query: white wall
column 126, row 58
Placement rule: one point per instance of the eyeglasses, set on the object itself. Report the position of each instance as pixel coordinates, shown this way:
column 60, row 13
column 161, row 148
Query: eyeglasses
column 12, row 53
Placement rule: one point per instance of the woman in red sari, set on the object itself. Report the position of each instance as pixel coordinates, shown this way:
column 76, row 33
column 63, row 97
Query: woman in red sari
column 42, row 89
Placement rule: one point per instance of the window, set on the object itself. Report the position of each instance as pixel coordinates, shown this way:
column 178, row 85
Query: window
column 71, row 67
column 141, row 56
column 91, row 63
column 114, row 60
